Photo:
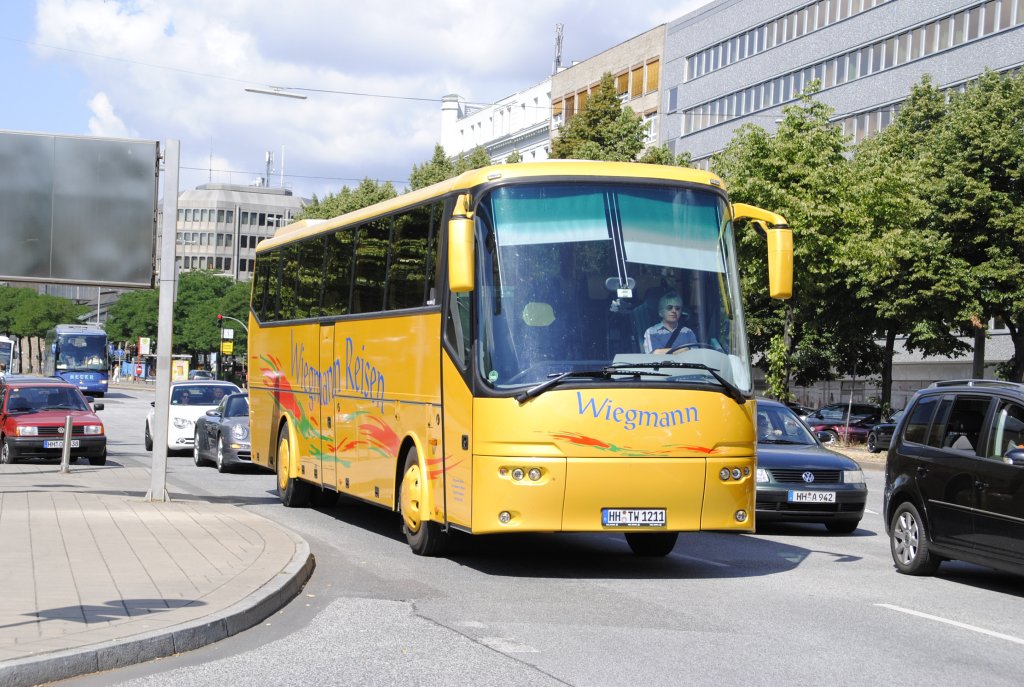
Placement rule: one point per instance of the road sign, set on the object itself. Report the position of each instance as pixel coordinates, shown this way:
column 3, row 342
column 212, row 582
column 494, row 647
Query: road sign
column 227, row 347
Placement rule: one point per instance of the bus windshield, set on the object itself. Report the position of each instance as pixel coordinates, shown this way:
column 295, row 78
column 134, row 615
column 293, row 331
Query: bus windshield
column 582, row 276
column 81, row 352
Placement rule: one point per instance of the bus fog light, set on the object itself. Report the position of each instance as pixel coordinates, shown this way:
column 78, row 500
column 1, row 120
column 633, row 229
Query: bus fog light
column 503, row 472
column 504, row 517
column 736, row 473
column 518, row 474
column 741, row 516
column 724, row 474
column 746, row 472
column 534, row 474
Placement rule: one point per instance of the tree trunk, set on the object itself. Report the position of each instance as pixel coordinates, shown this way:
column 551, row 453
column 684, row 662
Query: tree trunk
column 978, row 369
column 890, row 347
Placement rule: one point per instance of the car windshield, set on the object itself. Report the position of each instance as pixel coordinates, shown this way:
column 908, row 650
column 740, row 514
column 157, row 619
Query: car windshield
column 31, row 399
column 237, row 407
column 576, row 277
column 200, row 394
column 779, row 425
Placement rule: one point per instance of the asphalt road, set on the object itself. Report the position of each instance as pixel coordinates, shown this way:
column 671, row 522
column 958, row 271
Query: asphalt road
column 788, row 605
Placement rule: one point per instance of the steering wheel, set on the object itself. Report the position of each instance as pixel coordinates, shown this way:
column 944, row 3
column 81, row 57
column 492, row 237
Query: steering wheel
column 695, row 344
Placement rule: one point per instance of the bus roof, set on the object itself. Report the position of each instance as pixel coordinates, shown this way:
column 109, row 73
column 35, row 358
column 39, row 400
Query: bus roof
column 78, row 329
column 476, row 177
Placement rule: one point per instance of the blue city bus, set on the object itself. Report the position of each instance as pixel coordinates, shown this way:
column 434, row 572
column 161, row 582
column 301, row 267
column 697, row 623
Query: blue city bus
column 77, row 353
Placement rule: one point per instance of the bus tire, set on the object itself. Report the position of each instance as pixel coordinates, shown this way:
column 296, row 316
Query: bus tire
column 651, row 544
column 425, row 537
column 294, row 493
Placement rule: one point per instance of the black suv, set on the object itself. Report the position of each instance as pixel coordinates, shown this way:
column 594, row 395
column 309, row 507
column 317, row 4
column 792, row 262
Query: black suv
column 954, row 478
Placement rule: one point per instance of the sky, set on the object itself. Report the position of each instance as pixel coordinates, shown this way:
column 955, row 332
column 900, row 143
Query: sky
column 178, row 69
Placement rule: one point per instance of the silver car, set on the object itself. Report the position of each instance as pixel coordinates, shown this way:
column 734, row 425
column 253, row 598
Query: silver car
column 222, row 434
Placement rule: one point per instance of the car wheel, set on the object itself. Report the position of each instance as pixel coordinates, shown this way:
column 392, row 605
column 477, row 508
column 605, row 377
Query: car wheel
column 149, row 439
column 425, row 537
column 221, row 468
column 908, row 541
column 873, row 443
column 98, row 460
column 842, row 526
column 196, row 458
column 652, row 544
column 5, row 453
column 294, row 493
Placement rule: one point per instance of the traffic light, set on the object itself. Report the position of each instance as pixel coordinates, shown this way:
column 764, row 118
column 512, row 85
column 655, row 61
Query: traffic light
column 220, row 322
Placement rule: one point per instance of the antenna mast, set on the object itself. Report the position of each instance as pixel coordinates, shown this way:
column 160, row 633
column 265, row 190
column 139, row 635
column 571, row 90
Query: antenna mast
column 558, row 49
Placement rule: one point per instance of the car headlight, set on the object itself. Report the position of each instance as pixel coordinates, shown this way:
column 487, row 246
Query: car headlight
column 853, row 477
column 28, row 431
column 239, row 432
column 762, row 476
column 182, row 423
column 93, row 429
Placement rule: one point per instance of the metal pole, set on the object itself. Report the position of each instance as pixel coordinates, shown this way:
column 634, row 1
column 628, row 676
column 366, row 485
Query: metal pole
column 65, row 455
column 165, row 323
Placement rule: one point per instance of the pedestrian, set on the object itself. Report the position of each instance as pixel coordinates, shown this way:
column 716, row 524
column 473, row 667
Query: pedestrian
column 117, row 373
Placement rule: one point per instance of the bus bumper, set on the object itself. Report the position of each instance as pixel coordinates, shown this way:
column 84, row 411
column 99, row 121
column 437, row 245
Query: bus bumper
column 557, row 494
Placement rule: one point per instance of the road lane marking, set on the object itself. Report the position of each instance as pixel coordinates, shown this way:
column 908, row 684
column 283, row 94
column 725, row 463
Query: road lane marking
column 507, row 646
column 702, row 560
column 872, row 512
column 954, row 623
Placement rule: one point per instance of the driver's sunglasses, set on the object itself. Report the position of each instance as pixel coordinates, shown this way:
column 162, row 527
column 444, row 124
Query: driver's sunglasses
column 673, row 307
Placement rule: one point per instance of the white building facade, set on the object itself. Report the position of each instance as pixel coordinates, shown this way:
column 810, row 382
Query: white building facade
column 516, row 124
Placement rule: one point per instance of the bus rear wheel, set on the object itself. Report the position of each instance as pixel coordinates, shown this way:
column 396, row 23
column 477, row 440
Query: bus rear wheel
column 425, row 537
column 294, row 493
column 652, row 543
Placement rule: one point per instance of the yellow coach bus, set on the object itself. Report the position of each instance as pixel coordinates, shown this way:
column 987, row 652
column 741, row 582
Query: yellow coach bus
column 534, row 347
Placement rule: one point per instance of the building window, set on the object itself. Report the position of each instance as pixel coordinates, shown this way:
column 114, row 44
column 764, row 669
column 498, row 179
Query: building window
column 653, row 74
column 636, row 82
column 230, row 217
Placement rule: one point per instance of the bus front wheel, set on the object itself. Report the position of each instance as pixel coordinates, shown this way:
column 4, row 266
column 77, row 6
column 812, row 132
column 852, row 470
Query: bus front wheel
column 294, row 493
column 425, row 537
column 652, row 543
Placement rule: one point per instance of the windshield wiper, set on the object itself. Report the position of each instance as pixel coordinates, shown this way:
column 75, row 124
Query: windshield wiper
column 728, row 388
column 604, row 372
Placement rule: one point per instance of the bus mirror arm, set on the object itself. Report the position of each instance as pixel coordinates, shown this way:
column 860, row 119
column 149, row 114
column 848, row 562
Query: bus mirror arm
column 779, row 236
column 460, row 246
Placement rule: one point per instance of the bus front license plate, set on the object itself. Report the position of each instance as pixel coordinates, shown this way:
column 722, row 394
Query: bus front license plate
column 633, row 517
column 812, row 497
column 59, row 443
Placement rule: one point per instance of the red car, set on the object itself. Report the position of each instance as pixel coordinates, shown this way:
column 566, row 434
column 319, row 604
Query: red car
column 829, row 423
column 33, row 415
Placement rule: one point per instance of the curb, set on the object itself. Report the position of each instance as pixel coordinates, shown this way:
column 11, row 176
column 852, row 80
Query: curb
column 109, row 655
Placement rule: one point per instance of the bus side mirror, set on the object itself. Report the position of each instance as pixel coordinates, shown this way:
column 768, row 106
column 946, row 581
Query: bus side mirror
column 460, row 247
column 780, row 246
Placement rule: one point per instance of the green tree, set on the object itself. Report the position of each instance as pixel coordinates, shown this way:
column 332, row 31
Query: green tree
column 348, row 199
column 662, row 155
column 196, row 309
column 514, row 156
column 134, row 315
column 476, row 159
column 435, row 170
column 602, row 130
column 977, row 161
column 902, row 271
column 802, row 173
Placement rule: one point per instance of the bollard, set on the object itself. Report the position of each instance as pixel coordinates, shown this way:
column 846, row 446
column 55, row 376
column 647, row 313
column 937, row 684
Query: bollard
column 65, row 456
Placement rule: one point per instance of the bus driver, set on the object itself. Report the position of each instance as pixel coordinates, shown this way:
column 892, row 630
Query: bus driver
column 670, row 332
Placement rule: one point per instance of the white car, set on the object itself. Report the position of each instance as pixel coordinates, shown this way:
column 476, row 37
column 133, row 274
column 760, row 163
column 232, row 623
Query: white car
column 189, row 401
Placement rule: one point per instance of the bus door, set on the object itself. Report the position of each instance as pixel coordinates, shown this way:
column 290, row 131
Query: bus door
column 329, row 406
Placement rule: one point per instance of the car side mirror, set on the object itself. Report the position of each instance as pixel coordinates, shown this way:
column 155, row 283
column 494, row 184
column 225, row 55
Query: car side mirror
column 823, row 437
column 1015, row 456
column 153, row 403
column 213, row 412
column 97, row 406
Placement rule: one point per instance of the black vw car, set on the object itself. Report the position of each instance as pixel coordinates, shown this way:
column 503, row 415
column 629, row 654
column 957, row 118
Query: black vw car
column 799, row 480
column 954, row 478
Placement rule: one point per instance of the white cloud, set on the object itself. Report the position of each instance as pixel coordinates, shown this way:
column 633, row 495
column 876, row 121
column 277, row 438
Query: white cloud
column 177, row 69
column 104, row 122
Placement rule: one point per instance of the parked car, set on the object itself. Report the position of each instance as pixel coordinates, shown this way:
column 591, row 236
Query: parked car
column 954, row 478
column 881, row 434
column 188, row 401
column 800, row 480
column 802, row 411
column 829, row 422
column 33, row 418
column 200, row 374
column 222, row 434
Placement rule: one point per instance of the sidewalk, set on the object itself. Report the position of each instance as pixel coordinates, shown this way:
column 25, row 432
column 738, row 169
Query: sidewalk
column 95, row 578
